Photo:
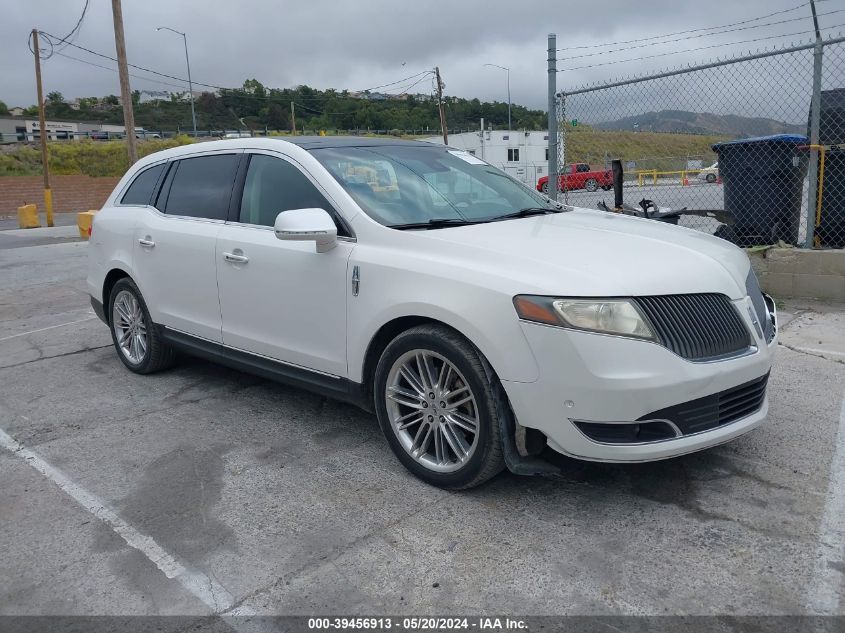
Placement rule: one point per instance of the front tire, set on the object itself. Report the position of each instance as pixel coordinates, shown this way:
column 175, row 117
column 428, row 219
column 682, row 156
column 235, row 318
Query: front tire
column 711, row 178
column 439, row 407
column 136, row 339
column 545, row 188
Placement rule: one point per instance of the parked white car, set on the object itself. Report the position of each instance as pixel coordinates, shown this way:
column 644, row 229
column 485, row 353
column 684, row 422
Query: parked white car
column 480, row 321
column 710, row 174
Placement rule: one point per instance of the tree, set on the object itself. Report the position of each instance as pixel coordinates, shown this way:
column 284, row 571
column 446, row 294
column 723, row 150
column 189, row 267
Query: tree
column 3, row 108
column 55, row 97
column 254, row 87
column 277, row 117
column 111, row 100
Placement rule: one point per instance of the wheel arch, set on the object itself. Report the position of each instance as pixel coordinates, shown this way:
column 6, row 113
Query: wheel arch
column 112, row 277
column 517, row 363
column 381, row 339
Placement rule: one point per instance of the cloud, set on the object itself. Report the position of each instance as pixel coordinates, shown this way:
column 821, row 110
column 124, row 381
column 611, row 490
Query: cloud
column 363, row 43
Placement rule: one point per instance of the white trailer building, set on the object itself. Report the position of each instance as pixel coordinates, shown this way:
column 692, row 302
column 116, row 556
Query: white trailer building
column 522, row 154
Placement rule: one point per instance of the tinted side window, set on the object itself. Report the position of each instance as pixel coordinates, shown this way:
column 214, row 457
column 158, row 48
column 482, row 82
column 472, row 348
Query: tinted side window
column 141, row 189
column 274, row 185
column 201, row 187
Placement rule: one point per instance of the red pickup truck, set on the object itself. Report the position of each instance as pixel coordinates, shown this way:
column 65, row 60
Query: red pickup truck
column 578, row 176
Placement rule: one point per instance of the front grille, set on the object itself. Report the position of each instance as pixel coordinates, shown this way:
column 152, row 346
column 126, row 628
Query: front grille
column 696, row 326
column 710, row 412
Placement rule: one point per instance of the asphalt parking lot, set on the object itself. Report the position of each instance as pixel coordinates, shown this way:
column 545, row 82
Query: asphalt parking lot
column 204, row 490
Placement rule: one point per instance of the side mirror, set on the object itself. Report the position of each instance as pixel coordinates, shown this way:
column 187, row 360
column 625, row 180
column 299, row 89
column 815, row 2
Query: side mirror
column 307, row 225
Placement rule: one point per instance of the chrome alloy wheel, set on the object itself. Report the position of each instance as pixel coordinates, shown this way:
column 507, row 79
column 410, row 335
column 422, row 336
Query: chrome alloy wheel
column 130, row 330
column 432, row 410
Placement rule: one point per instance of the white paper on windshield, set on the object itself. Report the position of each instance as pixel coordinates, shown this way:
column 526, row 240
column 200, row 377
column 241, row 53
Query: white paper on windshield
column 467, row 157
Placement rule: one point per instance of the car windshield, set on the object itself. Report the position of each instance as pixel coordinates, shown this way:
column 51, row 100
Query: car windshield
column 402, row 185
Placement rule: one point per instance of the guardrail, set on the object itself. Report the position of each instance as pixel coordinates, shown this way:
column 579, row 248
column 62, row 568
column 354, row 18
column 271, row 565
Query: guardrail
column 98, row 135
column 681, row 174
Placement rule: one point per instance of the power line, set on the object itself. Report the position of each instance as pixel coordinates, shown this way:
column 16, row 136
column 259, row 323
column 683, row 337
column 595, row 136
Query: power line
column 405, row 89
column 84, row 61
column 398, row 81
column 708, row 28
column 206, row 85
column 66, row 40
column 75, row 30
column 689, row 50
column 691, row 37
column 146, row 70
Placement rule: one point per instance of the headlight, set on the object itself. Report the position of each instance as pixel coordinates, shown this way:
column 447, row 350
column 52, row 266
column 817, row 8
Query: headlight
column 611, row 316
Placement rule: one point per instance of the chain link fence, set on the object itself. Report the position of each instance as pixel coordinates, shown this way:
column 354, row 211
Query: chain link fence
column 728, row 142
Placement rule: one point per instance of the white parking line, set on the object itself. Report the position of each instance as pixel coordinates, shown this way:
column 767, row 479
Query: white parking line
column 207, row 590
column 44, row 329
column 827, row 582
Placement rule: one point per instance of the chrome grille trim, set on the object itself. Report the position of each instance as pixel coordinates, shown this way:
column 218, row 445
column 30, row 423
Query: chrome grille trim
column 752, row 288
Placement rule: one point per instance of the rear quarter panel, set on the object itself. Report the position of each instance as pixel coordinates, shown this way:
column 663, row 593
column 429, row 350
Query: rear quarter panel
column 110, row 247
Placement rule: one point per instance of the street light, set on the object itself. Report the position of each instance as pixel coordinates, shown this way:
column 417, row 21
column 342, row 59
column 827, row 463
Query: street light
column 509, row 90
column 188, row 62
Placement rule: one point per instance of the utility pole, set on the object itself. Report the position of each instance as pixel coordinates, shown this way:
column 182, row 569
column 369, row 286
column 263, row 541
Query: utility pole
column 440, row 105
column 292, row 119
column 42, row 132
column 123, row 71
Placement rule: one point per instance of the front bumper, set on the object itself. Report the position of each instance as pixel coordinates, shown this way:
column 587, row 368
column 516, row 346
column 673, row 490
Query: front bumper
column 600, row 378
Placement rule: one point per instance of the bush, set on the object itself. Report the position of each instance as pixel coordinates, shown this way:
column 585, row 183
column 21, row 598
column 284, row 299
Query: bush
column 87, row 157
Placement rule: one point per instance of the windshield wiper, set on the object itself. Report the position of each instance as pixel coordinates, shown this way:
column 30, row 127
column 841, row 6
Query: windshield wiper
column 524, row 213
column 434, row 223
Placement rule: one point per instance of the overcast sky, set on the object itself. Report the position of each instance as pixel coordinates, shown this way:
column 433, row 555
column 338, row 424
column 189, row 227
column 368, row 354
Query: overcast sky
column 360, row 44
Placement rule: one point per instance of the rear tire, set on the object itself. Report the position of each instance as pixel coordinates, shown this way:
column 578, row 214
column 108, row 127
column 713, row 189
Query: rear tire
column 136, row 338
column 711, row 178
column 607, row 187
column 591, row 185
column 438, row 408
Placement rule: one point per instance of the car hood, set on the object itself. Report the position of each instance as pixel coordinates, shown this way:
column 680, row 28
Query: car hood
column 595, row 253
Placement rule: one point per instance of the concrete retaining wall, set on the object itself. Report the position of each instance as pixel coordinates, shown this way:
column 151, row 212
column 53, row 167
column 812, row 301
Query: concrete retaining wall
column 792, row 273
column 70, row 193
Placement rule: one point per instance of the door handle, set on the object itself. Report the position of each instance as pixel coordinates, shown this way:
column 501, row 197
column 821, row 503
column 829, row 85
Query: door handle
column 235, row 259
column 146, row 242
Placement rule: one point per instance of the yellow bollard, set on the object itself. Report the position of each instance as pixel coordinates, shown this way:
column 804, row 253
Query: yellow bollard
column 48, row 205
column 28, row 217
column 85, row 222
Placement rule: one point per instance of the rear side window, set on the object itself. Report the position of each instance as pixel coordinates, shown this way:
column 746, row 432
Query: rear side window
column 141, row 189
column 201, row 187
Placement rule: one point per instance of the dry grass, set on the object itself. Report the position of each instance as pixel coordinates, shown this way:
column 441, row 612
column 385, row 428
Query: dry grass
column 649, row 150
column 91, row 158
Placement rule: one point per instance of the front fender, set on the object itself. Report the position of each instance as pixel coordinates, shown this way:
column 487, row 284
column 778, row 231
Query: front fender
column 486, row 318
